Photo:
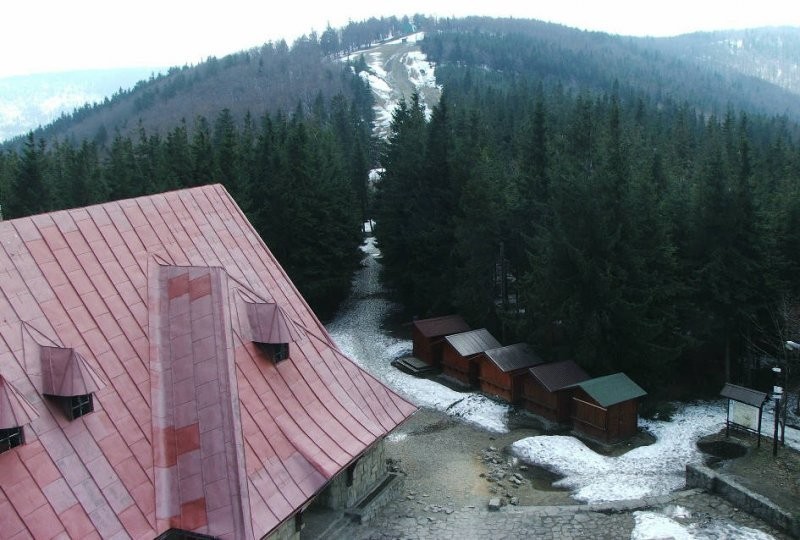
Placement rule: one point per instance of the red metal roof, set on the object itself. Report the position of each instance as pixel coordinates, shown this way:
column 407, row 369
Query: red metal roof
column 441, row 326
column 195, row 428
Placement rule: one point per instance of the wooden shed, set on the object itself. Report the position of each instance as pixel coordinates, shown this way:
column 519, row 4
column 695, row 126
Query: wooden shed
column 460, row 352
column 607, row 408
column 501, row 371
column 547, row 392
column 428, row 336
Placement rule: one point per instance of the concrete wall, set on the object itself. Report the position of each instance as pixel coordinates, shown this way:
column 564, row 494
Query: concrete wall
column 742, row 498
column 369, row 471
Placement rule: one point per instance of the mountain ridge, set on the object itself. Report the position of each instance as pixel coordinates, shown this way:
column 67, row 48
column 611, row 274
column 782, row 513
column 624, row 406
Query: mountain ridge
column 711, row 70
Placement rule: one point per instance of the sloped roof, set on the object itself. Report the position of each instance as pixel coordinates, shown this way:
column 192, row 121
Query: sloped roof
column 15, row 411
column 513, row 357
column 472, row 342
column 743, row 395
column 612, row 389
column 559, row 375
column 441, row 326
column 195, row 427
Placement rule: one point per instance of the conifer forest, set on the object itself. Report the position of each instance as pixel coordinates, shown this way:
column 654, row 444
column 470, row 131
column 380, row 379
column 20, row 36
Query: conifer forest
column 628, row 229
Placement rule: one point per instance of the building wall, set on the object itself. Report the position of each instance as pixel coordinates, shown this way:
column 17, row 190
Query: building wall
column 421, row 346
column 539, row 401
column 458, row 367
column 492, row 380
column 616, row 422
column 368, row 472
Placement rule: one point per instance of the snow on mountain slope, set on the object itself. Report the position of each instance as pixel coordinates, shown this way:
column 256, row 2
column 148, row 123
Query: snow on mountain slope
column 395, row 70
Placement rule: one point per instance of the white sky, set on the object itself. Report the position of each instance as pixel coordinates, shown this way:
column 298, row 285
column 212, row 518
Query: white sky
column 61, row 35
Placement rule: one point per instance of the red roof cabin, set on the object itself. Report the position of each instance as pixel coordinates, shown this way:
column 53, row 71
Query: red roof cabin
column 460, row 352
column 547, row 389
column 160, row 376
column 607, row 408
column 501, row 371
column 428, row 336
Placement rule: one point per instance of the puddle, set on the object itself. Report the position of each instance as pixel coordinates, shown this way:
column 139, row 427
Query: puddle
column 719, row 451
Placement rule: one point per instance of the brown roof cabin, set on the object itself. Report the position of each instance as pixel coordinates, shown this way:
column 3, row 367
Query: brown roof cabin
column 460, row 352
column 607, row 408
column 546, row 392
column 502, row 370
column 428, row 336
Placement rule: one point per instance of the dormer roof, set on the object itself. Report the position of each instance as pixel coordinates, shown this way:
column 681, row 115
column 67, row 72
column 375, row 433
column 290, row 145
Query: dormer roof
column 269, row 323
column 66, row 373
column 15, row 411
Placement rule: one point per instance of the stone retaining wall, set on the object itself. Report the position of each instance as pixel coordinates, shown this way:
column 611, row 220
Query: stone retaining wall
column 702, row 477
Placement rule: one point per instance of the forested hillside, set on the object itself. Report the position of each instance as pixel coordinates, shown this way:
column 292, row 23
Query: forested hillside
column 301, row 180
column 601, row 197
column 690, row 68
column 625, row 232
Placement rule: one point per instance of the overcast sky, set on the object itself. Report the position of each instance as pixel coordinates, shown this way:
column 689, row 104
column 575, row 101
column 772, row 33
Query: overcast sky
column 61, row 35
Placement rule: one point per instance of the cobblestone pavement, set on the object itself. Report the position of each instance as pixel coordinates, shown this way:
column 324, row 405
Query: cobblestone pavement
column 411, row 518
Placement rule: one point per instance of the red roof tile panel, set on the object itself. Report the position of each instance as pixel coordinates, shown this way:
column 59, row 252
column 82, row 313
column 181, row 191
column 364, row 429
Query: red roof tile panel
column 274, row 435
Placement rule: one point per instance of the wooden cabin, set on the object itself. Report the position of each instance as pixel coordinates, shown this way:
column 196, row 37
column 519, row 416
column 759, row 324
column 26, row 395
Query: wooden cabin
column 460, row 352
column 501, row 371
column 428, row 336
column 546, row 389
column 607, row 408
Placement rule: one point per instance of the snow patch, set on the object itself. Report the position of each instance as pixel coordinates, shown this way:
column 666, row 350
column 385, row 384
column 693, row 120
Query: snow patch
column 654, row 525
column 358, row 332
column 651, row 470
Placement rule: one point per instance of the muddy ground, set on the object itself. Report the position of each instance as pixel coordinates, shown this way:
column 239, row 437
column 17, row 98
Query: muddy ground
column 452, row 464
column 775, row 477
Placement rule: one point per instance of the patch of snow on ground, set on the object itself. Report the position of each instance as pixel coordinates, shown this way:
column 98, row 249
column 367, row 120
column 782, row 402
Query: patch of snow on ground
column 358, row 332
column 653, row 525
column 651, row 470
column 421, row 73
column 411, row 38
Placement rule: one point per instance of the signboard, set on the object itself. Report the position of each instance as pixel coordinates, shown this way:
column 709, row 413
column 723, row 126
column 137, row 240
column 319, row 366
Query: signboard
column 743, row 414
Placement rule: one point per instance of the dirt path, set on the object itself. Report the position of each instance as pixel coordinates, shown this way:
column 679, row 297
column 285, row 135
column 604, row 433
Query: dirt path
column 452, row 464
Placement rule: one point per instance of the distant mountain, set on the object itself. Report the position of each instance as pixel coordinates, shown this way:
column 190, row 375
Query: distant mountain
column 752, row 70
column 769, row 54
column 27, row 102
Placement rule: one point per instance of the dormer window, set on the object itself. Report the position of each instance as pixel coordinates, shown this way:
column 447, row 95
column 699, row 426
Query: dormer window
column 15, row 412
column 9, row 438
column 68, row 380
column 276, row 351
column 272, row 329
column 179, row 534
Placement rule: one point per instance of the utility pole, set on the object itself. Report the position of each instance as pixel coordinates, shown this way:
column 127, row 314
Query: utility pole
column 777, row 392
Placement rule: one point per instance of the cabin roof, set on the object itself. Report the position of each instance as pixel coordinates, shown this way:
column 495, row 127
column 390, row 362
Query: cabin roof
column 513, row 357
column 441, row 326
column 611, row 389
column 556, row 376
column 472, row 342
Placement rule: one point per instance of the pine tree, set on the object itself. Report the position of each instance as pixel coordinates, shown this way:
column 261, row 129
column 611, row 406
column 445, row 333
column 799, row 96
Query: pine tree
column 29, row 193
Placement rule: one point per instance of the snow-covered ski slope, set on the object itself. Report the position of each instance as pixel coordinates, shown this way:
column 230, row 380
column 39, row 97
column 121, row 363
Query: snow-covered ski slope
column 395, row 70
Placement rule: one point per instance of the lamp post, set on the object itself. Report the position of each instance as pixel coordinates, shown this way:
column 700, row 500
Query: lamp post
column 777, row 392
